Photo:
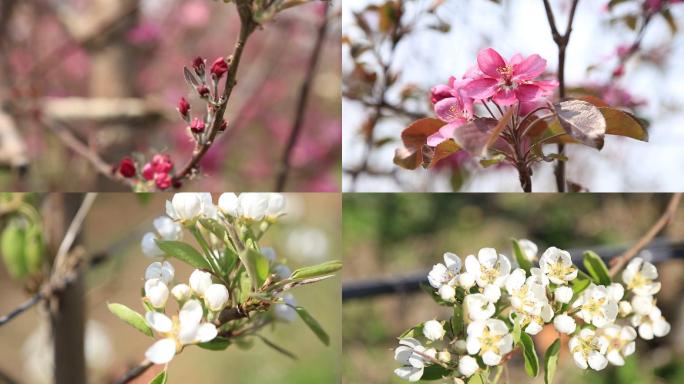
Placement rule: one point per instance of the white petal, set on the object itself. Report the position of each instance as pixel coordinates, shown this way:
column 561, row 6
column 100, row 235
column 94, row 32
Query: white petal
column 228, row 204
column 402, row 354
column 159, row 322
column 472, row 266
column 504, row 266
column 409, row 373
column 629, row 349
column 646, row 331
column 191, row 313
column 410, row 342
column 515, row 280
column 597, row 361
column 466, row 280
column 206, row 332
column 473, row 345
column 467, row 365
column 490, row 358
column 487, row 257
column 564, row 324
column 496, row 326
column 615, row 358
column 162, row 351
column 649, row 271
column 492, row 293
column 167, row 228
column 580, row 361
column 563, row 294
column 533, row 328
column 447, row 292
column 453, row 262
column 661, row 327
column 149, row 246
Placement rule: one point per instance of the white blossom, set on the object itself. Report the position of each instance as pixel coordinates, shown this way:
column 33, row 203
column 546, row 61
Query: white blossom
column 588, row 350
column 564, row 323
column 488, row 267
column 149, row 247
column 445, row 274
column 253, row 206
column 156, row 292
column 643, row 305
column 216, row 297
column 466, row 280
column 529, row 249
column 563, row 294
column 557, row 265
column 276, row 206
column 529, row 302
column 167, row 228
column 163, row 271
column 639, row 276
column 490, row 339
column 181, row 292
column 620, row 342
column 412, row 355
column 447, row 292
column 467, row 365
column 651, row 325
column 478, row 307
column 433, row 330
column 187, row 328
column 184, row 206
column 624, row 308
column 596, row 306
column 228, row 204
column 200, row 281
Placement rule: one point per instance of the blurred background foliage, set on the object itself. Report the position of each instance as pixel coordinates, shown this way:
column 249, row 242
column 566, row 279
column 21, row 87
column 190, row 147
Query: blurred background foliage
column 390, row 235
column 117, row 222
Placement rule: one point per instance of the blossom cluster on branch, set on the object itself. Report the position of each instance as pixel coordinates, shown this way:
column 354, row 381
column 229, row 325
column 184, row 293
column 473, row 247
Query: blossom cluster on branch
column 238, row 286
column 497, row 308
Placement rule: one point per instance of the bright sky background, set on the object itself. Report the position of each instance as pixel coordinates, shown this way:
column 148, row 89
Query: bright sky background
column 521, row 26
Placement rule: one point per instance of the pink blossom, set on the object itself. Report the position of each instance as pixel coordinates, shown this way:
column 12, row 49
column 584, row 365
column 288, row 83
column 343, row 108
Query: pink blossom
column 453, row 107
column 507, row 82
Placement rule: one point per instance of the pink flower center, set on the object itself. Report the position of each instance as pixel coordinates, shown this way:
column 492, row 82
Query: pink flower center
column 506, row 75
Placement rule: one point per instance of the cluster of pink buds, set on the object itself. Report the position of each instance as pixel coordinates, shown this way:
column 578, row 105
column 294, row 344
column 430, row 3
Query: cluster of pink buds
column 159, row 170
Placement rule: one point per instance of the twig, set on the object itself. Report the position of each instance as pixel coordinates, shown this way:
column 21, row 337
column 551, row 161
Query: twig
column 284, row 169
column 73, row 230
column 135, row 372
column 619, row 262
column 247, row 26
column 562, row 43
column 35, row 299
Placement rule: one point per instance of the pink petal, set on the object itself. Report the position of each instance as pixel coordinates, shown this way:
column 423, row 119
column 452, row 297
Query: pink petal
column 481, row 88
column 547, row 85
column 528, row 92
column 530, row 68
column 489, row 61
column 444, row 133
column 505, row 98
column 449, row 109
column 516, row 59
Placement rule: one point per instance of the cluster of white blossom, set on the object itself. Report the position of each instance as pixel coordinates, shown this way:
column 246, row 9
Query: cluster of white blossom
column 495, row 300
column 201, row 299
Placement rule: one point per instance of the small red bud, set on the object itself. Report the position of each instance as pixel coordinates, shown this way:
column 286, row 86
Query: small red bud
column 203, row 90
column 198, row 66
column 148, row 171
column 127, row 167
column 177, row 183
column 219, row 67
column 197, row 125
column 162, row 180
column 183, row 107
column 223, row 126
column 619, row 71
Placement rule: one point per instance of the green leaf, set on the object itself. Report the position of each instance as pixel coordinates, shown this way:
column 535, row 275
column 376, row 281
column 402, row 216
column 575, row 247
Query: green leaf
column 530, row 354
column 434, row 372
column 217, row 344
column 313, row 325
column 596, row 268
column 317, row 270
column 579, row 285
column 457, row 320
column 12, row 246
column 520, row 257
column 412, row 332
column 476, row 379
column 551, row 361
column 245, row 285
column 214, row 227
column 494, row 160
column 516, row 330
column 160, row 378
column 131, row 317
column 257, row 267
column 230, row 259
column 183, row 252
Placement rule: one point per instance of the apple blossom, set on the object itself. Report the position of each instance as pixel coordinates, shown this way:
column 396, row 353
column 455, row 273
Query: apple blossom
column 588, row 350
column 639, row 275
column 200, row 281
column 490, row 339
column 156, row 292
column 529, row 249
column 433, row 330
column 162, row 271
column 556, row 264
column 187, row 328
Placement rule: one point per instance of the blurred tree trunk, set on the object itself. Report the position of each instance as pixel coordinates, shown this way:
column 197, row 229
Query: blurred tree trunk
column 66, row 307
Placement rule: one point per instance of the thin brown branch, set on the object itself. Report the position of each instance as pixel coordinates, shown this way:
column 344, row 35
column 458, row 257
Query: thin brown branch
column 73, row 231
column 28, row 304
column 619, row 262
column 284, row 169
column 134, row 372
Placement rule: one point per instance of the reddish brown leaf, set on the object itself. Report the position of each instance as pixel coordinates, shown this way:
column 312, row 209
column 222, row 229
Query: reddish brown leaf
column 473, row 137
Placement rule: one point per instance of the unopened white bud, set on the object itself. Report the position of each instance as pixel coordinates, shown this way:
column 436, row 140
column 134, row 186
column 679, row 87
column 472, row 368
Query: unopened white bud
column 563, row 294
column 564, row 324
column 156, row 292
column 624, row 308
column 200, row 281
column 460, row 346
column 444, row 356
column 433, row 330
column 162, row 271
column 181, row 292
column 467, row 365
column 228, row 204
column 216, row 297
column 447, row 292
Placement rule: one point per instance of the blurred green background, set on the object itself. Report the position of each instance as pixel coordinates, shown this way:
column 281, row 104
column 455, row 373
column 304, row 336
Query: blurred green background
column 313, row 219
column 398, row 234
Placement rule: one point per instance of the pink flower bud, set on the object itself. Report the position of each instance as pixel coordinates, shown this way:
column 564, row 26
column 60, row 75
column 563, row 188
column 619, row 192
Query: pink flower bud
column 197, row 125
column 203, row 90
column 127, row 167
column 161, row 163
column 198, row 66
column 183, row 107
column 223, row 126
column 619, row 71
column 219, row 67
column 162, row 180
column 148, row 171
column 440, row 92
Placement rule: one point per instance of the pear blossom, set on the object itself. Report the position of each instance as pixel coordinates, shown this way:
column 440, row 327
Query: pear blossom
column 445, row 274
column 188, row 206
column 556, row 264
column 285, row 311
column 478, row 307
column 216, row 297
column 156, row 292
column 253, row 206
column 433, row 330
column 642, row 305
column 596, row 306
column 639, row 275
column 162, row 271
column 529, row 249
column 447, row 293
column 508, row 82
column 564, row 323
column 186, row 329
column 467, row 365
column 200, row 281
column 588, row 350
column 228, row 204
column 652, row 324
column 466, row 280
column 181, row 292
column 620, row 342
column 276, row 206
column 528, row 299
column 488, row 268
column 490, row 339
column 413, row 357
column 166, row 229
